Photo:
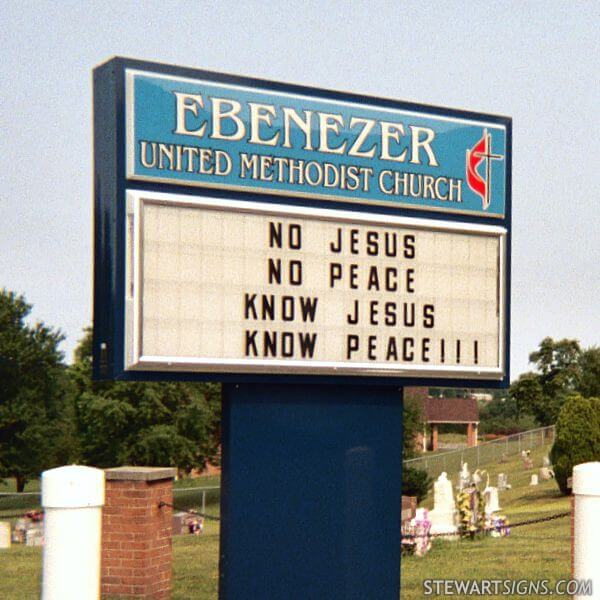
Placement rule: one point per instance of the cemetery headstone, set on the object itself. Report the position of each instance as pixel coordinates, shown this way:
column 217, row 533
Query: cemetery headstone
column 179, row 523
column 492, row 504
column 409, row 507
column 464, row 477
column 4, row 535
column 443, row 515
column 34, row 536
column 503, row 484
column 421, row 528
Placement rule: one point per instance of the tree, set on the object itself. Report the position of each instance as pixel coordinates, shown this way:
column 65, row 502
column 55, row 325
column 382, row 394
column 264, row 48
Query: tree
column 412, row 422
column 34, row 420
column 557, row 364
column 158, row 424
column 527, row 395
column 415, row 482
column 588, row 379
column 543, row 392
column 503, row 416
column 577, row 437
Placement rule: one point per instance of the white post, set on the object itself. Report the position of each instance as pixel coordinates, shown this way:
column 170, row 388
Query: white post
column 586, row 490
column 72, row 498
column 4, row 535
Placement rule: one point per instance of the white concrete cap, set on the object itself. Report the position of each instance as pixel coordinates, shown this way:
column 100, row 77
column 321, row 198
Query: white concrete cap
column 586, row 479
column 73, row 487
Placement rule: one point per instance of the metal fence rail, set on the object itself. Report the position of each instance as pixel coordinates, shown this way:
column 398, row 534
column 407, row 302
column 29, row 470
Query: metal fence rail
column 14, row 505
column 484, row 453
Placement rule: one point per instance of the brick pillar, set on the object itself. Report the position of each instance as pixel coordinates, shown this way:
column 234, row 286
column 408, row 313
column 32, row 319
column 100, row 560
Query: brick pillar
column 136, row 533
column 471, row 440
column 434, row 438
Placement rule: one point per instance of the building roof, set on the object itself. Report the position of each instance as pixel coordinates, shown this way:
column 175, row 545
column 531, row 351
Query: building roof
column 450, row 410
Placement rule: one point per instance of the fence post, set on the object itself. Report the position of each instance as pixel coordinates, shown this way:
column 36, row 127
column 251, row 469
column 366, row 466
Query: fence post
column 586, row 530
column 72, row 498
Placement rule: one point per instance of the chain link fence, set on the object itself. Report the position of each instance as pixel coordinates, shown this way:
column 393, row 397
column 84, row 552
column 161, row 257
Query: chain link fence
column 15, row 505
column 207, row 498
column 484, row 453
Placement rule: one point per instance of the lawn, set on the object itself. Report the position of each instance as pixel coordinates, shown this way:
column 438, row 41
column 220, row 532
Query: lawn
column 539, row 551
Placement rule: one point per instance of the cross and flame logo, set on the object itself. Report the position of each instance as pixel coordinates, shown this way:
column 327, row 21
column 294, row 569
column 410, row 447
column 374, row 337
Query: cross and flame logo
column 479, row 153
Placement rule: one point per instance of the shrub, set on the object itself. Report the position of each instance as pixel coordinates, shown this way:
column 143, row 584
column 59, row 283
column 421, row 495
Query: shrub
column 415, row 482
column 577, row 437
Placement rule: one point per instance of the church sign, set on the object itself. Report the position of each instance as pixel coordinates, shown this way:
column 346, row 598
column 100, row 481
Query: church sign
column 255, row 228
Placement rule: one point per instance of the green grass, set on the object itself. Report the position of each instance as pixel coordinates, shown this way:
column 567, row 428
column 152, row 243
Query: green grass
column 453, row 438
column 535, row 552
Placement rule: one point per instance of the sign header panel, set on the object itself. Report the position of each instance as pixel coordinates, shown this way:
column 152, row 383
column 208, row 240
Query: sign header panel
column 236, row 287
column 200, row 132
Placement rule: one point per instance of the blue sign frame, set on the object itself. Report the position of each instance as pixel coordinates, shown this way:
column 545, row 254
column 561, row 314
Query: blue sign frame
column 117, row 169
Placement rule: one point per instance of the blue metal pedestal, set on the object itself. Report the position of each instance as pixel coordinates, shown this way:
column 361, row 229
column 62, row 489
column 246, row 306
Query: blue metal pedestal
column 311, row 492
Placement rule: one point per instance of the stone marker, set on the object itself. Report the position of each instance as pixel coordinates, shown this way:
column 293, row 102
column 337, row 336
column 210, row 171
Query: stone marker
column 4, row 535
column 492, row 504
column 34, row 536
column 409, row 508
column 443, row 515
column 534, row 479
column 503, row 484
column 180, row 525
column 464, row 477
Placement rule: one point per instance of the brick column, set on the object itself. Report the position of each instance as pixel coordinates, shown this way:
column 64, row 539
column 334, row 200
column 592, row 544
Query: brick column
column 471, row 435
column 434, row 438
column 136, row 533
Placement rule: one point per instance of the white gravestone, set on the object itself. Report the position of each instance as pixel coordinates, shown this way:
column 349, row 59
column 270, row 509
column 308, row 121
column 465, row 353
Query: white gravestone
column 492, row 504
column 443, row 515
column 534, row 480
column 503, row 484
column 4, row 534
column 464, row 477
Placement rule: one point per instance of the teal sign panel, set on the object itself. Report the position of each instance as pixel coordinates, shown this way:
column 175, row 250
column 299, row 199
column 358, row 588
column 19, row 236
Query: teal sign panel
column 210, row 134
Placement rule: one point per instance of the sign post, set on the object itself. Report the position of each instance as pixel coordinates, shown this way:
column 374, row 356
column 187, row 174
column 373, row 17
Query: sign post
column 315, row 251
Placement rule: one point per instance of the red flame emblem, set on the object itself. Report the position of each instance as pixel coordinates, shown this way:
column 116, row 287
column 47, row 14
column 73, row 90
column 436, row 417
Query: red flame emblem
column 480, row 152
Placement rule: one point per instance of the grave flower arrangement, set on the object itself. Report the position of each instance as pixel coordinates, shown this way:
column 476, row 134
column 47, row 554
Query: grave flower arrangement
column 471, row 511
column 498, row 526
column 417, row 540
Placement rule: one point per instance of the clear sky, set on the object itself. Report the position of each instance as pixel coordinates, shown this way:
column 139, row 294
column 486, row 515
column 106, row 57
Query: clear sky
column 538, row 62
